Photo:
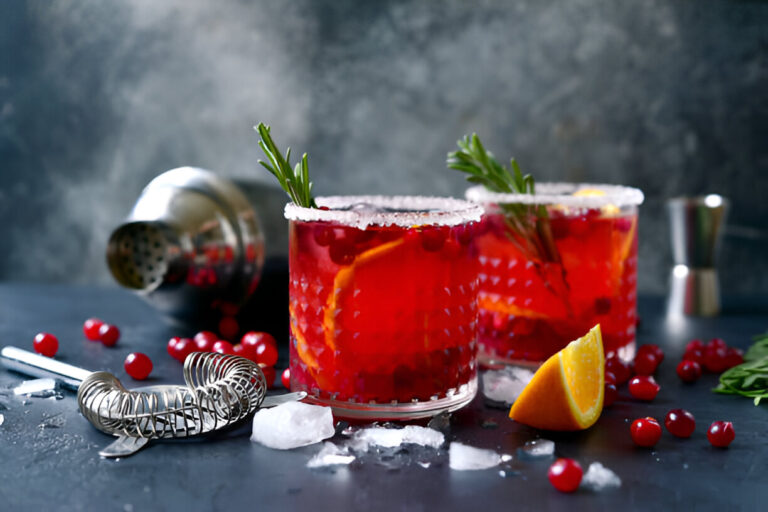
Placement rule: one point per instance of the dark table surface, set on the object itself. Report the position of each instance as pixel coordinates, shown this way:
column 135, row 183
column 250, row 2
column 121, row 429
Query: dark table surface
column 49, row 459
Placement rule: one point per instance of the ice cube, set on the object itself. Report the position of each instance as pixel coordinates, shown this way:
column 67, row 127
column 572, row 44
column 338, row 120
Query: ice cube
column 462, row 457
column 537, row 449
column 39, row 388
column 291, row 425
column 330, row 455
column 392, row 437
column 2, row 419
column 505, row 385
column 599, row 478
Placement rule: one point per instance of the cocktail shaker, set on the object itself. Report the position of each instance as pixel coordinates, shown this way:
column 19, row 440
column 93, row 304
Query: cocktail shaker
column 191, row 243
column 696, row 225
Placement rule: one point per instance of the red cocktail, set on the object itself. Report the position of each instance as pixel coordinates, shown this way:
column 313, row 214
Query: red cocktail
column 547, row 278
column 383, row 304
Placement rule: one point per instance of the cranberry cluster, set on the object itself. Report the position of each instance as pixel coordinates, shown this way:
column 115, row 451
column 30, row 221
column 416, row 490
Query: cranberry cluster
column 259, row 347
column 680, row 423
column 96, row 330
column 715, row 357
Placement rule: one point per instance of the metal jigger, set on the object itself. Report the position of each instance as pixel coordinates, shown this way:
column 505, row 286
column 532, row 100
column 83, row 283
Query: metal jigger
column 696, row 227
column 191, row 243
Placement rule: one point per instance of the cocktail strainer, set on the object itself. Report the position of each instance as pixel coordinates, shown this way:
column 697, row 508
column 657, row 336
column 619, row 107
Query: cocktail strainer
column 221, row 391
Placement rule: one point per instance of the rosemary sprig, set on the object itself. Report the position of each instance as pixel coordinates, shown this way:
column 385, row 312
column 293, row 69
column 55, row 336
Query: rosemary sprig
column 750, row 378
column 529, row 224
column 294, row 181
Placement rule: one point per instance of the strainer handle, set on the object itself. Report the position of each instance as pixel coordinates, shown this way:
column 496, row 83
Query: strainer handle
column 39, row 366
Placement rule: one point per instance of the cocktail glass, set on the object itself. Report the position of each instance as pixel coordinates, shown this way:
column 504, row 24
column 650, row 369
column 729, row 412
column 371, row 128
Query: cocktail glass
column 383, row 304
column 554, row 264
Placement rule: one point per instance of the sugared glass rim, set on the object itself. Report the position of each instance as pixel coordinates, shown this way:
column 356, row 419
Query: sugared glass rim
column 445, row 211
column 562, row 194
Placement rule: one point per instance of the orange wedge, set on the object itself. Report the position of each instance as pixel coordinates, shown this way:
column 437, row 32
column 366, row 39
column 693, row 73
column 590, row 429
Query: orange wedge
column 566, row 392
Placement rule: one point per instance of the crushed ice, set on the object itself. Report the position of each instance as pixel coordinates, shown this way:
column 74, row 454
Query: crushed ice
column 392, row 437
column 2, row 419
column 537, row 449
column 330, row 455
column 599, row 478
column 38, row 388
column 505, row 385
column 462, row 457
column 291, row 425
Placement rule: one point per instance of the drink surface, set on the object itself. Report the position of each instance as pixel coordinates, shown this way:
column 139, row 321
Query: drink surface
column 382, row 315
column 530, row 308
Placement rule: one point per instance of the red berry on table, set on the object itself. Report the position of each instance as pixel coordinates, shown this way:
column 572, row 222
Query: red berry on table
column 565, row 475
column 652, row 349
column 91, row 328
column 694, row 354
column 643, row 387
column 619, row 368
column 715, row 358
column 254, row 338
column 182, row 348
column 733, row 357
column 109, row 334
column 138, row 365
column 680, row 423
column 286, row 378
column 223, row 347
column 645, row 363
column 610, row 394
column 206, row 336
column 239, row 350
column 266, row 354
column 229, row 327
column 688, row 371
column 717, row 343
column 645, row 431
column 610, row 378
column 269, row 374
column 171, row 346
column 46, row 344
column 694, row 345
column 721, row 434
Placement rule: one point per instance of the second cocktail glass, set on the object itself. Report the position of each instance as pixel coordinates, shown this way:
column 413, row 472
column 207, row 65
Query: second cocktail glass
column 383, row 304
column 552, row 265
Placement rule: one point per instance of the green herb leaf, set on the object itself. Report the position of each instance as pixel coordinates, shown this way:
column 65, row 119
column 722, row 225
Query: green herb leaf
column 749, row 379
column 294, row 181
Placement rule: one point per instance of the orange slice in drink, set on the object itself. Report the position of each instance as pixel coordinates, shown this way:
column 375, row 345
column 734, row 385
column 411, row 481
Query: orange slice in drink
column 566, row 393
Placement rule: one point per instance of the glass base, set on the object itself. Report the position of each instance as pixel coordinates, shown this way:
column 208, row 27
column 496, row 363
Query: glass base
column 398, row 411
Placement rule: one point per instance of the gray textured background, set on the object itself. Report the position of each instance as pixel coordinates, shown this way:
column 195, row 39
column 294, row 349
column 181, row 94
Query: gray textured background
column 97, row 97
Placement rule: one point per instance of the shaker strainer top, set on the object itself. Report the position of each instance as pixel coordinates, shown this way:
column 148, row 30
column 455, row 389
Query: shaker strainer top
column 142, row 249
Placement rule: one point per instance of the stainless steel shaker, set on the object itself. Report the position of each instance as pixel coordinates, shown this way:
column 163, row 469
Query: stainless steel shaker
column 696, row 227
column 191, row 243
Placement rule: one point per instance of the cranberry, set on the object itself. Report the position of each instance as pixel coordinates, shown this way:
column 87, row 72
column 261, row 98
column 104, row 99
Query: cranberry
column 645, row 431
column 464, row 233
column 717, row 343
column 602, row 305
column 694, row 354
column 643, row 387
column 286, row 378
column 610, row 394
column 645, row 363
column 433, row 238
column 694, row 345
column 239, row 350
column 109, row 334
column 269, row 375
column 733, row 357
column 324, row 235
column 265, row 354
column 204, row 341
column 229, row 327
column 138, row 365
column 619, row 368
column 680, row 423
column 653, row 349
column 223, row 347
column 689, row 371
column 46, row 344
column 171, row 347
column 715, row 358
column 183, row 348
column 91, row 328
column 565, row 475
column 610, row 378
column 254, row 338
column 342, row 251
column 721, row 434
